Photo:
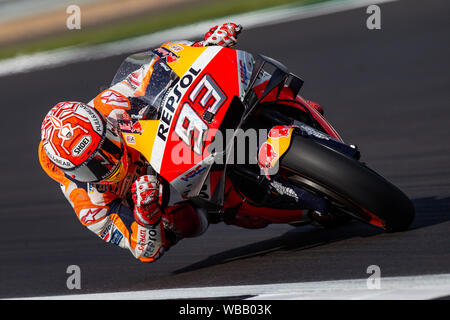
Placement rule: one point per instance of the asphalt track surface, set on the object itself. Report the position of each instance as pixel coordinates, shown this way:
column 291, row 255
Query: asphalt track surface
column 388, row 91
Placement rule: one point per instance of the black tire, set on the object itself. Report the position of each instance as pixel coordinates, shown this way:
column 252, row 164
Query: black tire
column 348, row 183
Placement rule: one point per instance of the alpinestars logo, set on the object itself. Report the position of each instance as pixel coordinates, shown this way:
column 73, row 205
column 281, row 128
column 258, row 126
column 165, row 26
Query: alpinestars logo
column 113, row 98
column 91, row 215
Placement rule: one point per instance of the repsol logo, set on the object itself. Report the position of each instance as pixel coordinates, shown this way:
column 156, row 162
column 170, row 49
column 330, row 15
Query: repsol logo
column 173, row 100
column 81, row 146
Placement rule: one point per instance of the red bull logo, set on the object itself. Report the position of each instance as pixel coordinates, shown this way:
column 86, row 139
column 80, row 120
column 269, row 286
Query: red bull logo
column 278, row 142
column 266, row 155
column 279, row 131
column 137, row 128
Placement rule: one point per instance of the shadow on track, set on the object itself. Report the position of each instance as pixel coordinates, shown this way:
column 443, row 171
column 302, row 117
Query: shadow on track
column 429, row 211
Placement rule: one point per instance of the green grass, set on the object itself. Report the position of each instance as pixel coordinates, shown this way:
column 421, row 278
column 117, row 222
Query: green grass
column 144, row 25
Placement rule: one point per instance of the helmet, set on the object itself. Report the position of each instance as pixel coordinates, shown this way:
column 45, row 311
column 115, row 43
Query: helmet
column 83, row 144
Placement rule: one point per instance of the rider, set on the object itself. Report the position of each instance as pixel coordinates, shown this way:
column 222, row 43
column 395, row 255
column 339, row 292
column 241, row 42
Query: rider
column 113, row 190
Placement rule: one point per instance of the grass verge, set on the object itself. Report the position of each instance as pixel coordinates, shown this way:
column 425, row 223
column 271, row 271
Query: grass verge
column 146, row 24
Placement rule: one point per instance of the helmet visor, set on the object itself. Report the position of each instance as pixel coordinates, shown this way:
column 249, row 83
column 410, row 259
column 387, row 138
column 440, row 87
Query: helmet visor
column 108, row 163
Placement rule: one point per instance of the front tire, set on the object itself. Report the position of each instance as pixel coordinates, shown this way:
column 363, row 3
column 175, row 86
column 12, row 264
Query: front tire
column 348, row 184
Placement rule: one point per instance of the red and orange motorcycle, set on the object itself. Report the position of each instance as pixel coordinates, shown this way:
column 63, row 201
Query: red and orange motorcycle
column 231, row 133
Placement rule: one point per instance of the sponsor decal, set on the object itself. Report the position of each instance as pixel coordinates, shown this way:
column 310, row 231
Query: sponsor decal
column 243, row 71
column 283, row 190
column 278, row 141
column 130, row 126
column 130, row 139
column 311, row 131
column 134, row 78
column 173, row 98
column 106, row 231
column 279, row 131
column 94, row 119
column 191, row 174
column 114, row 98
column 148, row 239
column 116, row 237
column 92, row 215
column 267, row 155
column 61, row 162
column 190, row 182
column 166, row 55
column 81, row 146
column 142, row 239
column 176, row 48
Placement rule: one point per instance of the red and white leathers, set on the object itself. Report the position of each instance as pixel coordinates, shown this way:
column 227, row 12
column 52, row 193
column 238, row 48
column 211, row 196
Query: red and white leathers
column 106, row 209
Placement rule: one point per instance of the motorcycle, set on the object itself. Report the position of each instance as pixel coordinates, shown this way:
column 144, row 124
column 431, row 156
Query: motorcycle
column 211, row 102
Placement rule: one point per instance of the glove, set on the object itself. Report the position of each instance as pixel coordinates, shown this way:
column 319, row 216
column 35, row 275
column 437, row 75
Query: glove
column 225, row 35
column 146, row 196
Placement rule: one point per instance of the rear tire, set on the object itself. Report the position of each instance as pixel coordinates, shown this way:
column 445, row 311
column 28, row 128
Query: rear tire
column 348, row 184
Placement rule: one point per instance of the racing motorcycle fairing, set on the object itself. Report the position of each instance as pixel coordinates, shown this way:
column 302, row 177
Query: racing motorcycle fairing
column 192, row 105
column 191, row 113
column 198, row 92
column 197, row 99
column 142, row 140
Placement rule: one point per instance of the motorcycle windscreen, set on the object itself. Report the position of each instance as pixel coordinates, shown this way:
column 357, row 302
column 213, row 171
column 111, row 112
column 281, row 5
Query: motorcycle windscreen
column 130, row 64
column 150, row 77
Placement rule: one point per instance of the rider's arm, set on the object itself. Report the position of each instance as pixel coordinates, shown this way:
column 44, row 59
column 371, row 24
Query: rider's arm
column 103, row 213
